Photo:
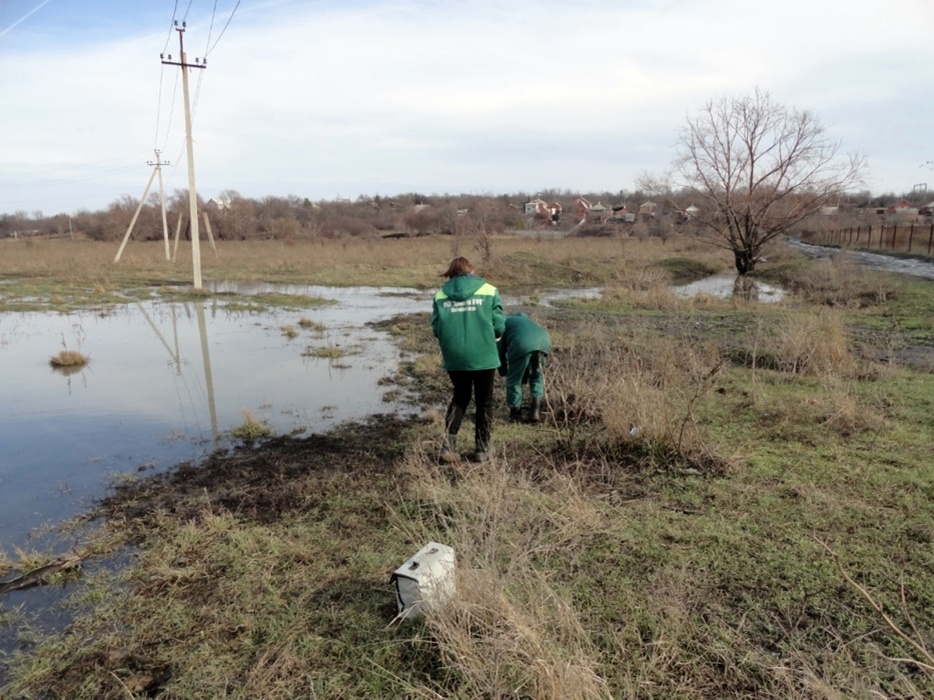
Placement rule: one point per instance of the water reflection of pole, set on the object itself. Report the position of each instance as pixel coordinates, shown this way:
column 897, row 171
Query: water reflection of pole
column 208, row 377
column 178, row 366
column 174, row 355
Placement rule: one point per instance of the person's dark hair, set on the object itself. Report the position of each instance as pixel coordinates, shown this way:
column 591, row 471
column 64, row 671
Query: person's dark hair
column 459, row 266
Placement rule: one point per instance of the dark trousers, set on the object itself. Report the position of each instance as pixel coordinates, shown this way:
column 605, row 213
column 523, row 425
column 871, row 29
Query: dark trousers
column 479, row 384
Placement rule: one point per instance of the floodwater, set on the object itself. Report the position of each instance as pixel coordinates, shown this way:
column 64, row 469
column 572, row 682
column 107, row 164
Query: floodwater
column 728, row 286
column 167, row 381
column 906, row 266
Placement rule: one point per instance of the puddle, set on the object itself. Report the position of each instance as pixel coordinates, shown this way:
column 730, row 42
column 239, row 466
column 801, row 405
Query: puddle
column 549, row 297
column 728, row 286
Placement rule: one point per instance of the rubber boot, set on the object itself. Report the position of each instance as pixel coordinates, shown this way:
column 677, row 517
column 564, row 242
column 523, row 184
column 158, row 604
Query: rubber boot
column 515, row 414
column 535, row 410
column 449, row 451
column 480, row 454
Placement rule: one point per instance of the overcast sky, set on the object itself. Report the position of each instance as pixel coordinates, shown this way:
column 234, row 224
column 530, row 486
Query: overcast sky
column 341, row 98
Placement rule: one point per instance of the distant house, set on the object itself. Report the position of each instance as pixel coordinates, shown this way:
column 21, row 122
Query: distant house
column 218, row 204
column 598, row 213
column 903, row 210
column 535, row 206
column 692, row 211
column 582, row 207
column 829, row 211
column 622, row 213
column 647, row 210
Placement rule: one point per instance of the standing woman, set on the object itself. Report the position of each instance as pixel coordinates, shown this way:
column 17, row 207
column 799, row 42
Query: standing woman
column 467, row 317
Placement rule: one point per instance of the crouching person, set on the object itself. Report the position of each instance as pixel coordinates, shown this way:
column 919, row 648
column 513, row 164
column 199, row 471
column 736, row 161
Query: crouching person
column 522, row 352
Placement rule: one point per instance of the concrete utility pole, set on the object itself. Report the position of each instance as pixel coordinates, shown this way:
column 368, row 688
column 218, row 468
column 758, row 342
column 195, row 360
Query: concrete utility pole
column 192, row 193
column 165, row 222
column 142, row 200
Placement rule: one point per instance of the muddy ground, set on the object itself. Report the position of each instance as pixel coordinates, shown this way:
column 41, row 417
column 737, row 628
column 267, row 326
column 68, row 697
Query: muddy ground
column 265, row 483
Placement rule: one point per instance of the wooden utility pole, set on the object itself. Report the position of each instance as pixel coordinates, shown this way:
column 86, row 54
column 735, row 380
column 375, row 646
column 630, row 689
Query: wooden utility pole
column 192, row 193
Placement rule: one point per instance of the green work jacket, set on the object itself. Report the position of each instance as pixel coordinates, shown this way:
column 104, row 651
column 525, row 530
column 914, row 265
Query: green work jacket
column 467, row 317
column 521, row 337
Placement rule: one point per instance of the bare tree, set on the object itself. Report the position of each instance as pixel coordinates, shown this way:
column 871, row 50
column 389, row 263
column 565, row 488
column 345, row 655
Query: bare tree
column 757, row 169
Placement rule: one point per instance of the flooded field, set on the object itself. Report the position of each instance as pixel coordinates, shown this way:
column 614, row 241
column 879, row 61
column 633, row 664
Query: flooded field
column 168, row 381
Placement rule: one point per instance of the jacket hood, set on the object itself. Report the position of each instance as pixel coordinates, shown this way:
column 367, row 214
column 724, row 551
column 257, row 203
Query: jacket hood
column 462, row 287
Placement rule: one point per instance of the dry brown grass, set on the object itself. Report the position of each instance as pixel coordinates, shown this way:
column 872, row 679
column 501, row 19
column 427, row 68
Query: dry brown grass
column 418, row 261
column 816, row 343
column 837, row 282
column 69, row 358
column 507, row 633
column 638, row 387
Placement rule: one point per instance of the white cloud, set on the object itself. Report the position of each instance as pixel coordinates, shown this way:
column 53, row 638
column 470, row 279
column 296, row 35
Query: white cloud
column 320, row 99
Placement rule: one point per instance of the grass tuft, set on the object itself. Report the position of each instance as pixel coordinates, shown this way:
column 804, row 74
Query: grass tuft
column 251, row 428
column 69, row 359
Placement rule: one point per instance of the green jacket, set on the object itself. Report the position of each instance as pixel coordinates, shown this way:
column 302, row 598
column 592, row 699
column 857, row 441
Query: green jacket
column 467, row 317
column 521, row 337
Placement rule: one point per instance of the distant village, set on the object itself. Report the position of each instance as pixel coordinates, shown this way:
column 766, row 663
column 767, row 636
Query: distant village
column 234, row 217
column 585, row 212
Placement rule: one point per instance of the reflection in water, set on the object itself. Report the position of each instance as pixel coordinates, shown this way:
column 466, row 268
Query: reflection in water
column 206, row 361
column 745, row 288
column 68, row 370
column 728, row 285
column 148, row 403
column 176, row 357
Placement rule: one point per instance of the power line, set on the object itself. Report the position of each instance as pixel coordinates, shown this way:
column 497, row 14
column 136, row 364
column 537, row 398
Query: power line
column 25, row 17
column 224, row 29
column 171, row 28
column 75, row 178
column 57, row 168
column 210, row 28
column 168, row 127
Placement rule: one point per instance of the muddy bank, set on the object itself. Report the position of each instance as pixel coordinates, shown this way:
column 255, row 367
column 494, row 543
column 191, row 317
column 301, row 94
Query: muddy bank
column 264, row 483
